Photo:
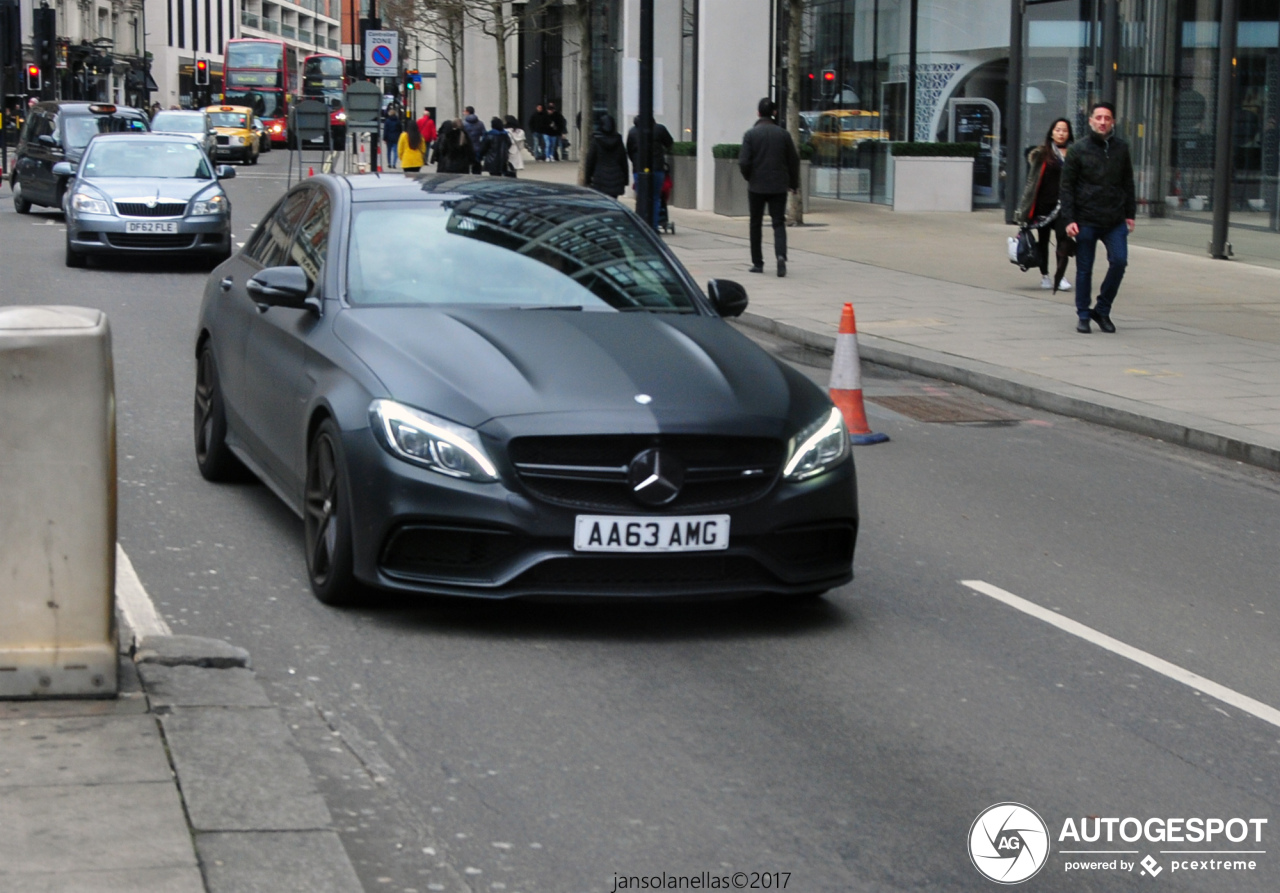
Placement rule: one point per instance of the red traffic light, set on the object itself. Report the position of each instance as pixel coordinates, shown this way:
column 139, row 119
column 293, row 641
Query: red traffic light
column 202, row 65
column 828, row 75
column 33, row 78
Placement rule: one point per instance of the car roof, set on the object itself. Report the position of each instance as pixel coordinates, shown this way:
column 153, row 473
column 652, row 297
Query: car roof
column 182, row 112
column 458, row 187
column 81, row 107
column 220, row 107
column 147, row 135
column 843, row 113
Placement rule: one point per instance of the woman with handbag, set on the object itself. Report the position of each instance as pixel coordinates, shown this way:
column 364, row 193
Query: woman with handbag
column 1039, row 205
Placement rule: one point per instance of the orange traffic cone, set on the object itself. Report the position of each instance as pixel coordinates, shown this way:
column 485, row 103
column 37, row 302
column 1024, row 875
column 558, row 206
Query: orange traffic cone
column 846, row 382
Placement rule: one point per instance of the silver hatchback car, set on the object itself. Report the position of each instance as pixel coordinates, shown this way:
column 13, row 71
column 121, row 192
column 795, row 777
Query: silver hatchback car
column 146, row 194
column 193, row 123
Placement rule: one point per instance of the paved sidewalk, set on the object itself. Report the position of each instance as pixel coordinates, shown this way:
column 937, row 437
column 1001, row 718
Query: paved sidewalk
column 188, row 782
column 1196, row 360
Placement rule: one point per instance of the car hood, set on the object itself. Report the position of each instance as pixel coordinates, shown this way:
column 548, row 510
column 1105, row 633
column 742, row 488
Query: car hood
column 473, row 365
column 118, row 188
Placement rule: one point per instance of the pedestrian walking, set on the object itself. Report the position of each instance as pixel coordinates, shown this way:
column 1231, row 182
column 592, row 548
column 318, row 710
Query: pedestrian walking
column 1039, row 207
column 474, row 127
column 517, row 145
column 771, row 165
column 391, row 133
column 607, row 160
column 1099, row 204
column 662, row 143
column 538, row 128
column 453, row 154
column 495, row 149
column 412, row 150
column 555, row 132
column 427, row 127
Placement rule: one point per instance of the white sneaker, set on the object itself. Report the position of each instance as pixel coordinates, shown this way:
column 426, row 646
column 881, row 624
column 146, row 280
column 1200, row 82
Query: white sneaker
column 1063, row 284
column 1046, row 282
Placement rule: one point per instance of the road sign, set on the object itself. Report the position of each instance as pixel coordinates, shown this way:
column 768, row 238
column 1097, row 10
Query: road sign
column 381, row 54
column 310, row 121
column 363, row 102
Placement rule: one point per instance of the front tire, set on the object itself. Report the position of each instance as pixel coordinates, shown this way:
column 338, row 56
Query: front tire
column 213, row 457
column 327, row 519
column 20, row 204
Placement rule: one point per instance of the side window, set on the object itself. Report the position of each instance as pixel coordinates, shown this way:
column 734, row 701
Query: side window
column 276, row 245
column 311, row 245
column 45, row 126
column 261, row 238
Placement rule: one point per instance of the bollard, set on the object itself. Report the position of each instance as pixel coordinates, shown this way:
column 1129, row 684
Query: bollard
column 57, row 503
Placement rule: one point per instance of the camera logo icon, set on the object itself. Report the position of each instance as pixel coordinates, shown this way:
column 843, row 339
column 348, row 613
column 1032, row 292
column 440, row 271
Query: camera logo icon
column 1008, row 843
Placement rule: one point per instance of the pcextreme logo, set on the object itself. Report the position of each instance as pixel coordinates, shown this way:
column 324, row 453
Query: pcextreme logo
column 1008, row 843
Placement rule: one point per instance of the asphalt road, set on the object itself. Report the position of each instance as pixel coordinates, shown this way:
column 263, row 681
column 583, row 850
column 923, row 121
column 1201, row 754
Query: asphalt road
column 847, row 744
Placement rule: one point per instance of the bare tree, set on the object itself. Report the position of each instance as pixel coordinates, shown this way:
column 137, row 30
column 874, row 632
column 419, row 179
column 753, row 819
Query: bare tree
column 441, row 23
column 795, row 23
column 494, row 20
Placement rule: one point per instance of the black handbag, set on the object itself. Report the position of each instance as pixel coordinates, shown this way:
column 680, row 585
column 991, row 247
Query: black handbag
column 1022, row 249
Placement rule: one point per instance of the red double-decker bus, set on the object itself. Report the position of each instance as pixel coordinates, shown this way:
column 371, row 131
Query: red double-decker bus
column 324, row 79
column 262, row 75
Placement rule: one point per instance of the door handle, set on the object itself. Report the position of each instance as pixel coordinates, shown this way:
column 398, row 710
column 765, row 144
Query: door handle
column 227, row 283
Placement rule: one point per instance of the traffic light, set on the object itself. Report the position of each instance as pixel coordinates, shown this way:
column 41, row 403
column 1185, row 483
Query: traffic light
column 828, row 82
column 45, row 35
column 202, row 72
column 33, row 78
column 408, row 81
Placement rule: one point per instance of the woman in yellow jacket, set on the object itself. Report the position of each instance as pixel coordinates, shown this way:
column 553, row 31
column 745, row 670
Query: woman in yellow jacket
column 412, row 149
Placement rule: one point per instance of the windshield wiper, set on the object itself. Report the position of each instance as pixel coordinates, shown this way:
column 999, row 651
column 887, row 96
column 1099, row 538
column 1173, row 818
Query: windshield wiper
column 548, row 307
column 638, row 309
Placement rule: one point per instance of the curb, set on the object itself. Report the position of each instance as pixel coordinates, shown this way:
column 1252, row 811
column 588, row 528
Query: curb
column 254, row 813
column 1029, row 389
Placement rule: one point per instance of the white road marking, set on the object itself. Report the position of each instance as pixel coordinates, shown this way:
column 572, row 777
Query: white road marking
column 135, row 604
column 1229, row 696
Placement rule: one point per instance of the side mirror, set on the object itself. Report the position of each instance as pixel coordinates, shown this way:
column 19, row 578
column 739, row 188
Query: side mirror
column 727, row 297
column 226, row 172
column 280, row 287
column 64, row 169
column 46, row 139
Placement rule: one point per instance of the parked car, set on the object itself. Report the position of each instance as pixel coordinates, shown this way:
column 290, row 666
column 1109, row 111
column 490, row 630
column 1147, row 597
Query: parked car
column 56, row 132
column 146, row 195
column 193, row 123
column 235, row 135
column 264, row 135
column 496, row 388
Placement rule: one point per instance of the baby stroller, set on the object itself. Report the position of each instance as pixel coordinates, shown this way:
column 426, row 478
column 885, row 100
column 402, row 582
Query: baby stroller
column 665, row 223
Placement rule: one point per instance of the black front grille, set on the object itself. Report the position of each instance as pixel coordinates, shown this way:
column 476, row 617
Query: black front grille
column 138, row 209
column 585, row 472
column 650, row 574
column 446, row 551
column 223, row 140
column 151, row 240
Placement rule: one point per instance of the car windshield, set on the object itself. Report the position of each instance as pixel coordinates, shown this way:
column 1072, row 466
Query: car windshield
column 151, row 158
column 860, row 123
column 228, row 119
column 173, row 122
column 79, row 129
column 526, row 252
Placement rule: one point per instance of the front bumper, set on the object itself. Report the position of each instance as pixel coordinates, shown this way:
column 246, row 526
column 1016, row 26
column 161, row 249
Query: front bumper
column 418, row 531
column 102, row 235
column 238, row 153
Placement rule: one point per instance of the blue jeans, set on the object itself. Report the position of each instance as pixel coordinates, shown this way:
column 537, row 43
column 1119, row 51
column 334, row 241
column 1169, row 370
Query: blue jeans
column 1116, row 241
column 538, row 151
column 658, row 178
column 552, row 146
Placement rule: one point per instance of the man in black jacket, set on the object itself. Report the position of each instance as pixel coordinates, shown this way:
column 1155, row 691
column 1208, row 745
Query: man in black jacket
column 662, row 143
column 1099, row 204
column 771, row 166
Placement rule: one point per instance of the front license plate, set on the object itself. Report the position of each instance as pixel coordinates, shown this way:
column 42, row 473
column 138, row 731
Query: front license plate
column 614, row 533
column 148, row 226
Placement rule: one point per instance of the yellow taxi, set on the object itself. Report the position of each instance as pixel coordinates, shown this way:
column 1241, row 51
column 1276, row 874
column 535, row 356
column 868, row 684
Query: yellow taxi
column 236, row 137
column 840, row 130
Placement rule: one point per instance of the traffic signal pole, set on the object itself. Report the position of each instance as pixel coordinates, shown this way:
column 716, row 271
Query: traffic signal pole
column 644, row 176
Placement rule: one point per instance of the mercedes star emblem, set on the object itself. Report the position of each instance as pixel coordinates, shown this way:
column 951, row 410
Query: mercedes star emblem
column 655, row 477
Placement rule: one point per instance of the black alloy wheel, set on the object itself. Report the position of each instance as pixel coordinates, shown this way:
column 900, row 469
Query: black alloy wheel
column 213, row 456
column 20, row 204
column 327, row 519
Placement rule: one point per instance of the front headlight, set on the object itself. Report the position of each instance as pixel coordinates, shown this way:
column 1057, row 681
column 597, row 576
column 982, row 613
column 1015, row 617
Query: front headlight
column 818, row 448
column 237, row 141
column 276, row 128
column 341, row 116
column 430, row 441
column 216, row 205
column 84, row 203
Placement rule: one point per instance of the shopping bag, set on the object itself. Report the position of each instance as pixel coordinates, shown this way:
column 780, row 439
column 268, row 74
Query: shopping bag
column 1022, row 249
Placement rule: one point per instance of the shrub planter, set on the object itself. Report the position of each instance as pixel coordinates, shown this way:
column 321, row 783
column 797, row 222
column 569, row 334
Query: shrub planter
column 684, row 181
column 933, row 176
column 731, row 189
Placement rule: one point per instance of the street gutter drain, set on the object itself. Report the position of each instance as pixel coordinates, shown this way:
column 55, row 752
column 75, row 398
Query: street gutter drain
column 948, row 408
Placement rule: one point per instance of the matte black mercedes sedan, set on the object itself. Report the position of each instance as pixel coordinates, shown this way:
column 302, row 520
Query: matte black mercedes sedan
column 499, row 388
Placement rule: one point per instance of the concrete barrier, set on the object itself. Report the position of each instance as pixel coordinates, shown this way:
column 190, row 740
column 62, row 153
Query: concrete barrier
column 57, row 503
